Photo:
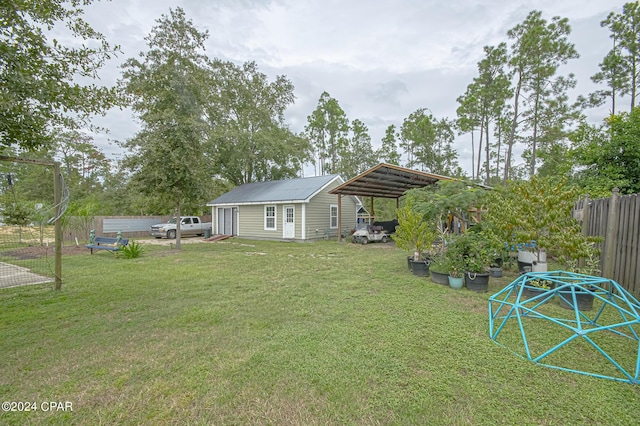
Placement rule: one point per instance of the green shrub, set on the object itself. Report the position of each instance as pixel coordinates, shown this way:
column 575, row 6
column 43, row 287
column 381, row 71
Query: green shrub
column 414, row 232
column 131, row 251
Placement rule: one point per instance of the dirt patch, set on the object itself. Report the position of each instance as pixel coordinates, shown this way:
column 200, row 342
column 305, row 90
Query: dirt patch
column 37, row 252
column 74, row 250
column 26, row 253
column 380, row 246
column 165, row 242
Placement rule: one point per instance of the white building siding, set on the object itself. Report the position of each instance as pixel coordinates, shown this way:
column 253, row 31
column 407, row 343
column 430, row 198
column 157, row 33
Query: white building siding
column 319, row 215
column 312, row 219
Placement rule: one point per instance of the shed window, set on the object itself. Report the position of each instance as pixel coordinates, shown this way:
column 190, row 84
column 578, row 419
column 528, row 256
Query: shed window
column 270, row 218
column 333, row 217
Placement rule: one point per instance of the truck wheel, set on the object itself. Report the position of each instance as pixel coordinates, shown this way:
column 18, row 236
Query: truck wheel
column 364, row 240
column 354, row 240
column 171, row 234
column 384, row 239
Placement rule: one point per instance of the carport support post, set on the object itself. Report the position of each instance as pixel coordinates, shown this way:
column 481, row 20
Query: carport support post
column 372, row 215
column 339, row 218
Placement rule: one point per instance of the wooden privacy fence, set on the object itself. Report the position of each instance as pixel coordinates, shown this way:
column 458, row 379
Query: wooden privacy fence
column 617, row 220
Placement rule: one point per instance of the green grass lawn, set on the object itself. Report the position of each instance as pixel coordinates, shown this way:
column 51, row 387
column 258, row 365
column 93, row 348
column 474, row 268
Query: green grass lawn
column 245, row 332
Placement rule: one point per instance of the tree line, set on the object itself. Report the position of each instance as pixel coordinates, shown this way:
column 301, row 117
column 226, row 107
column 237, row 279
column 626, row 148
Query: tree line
column 207, row 125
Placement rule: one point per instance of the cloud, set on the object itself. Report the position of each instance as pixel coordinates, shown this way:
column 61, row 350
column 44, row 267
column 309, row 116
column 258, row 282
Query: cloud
column 381, row 60
column 388, row 93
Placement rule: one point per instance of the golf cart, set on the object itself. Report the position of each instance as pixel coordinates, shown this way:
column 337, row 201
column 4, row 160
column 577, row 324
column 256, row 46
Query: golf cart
column 365, row 233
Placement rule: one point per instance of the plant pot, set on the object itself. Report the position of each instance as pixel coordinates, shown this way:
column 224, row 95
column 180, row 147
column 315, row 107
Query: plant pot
column 584, row 299
column 530, row 256
column 476, row 281
column 524, row 268
column 539, row 266
column 495, row 271
column 425, row 258
column 531, row 290
column 455, row 282
column 420, row 268
column 527, row 258
column 439, row 277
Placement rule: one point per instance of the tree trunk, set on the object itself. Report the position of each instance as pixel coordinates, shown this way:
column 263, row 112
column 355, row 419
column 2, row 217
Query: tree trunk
column 473, row 155
column 499, row 121
column 532, row 167
column 512, row 133
column 480, row 147
column 487, row 153
column 613, row 83
column 613, row 101
column 634, row 81
column 178, row 225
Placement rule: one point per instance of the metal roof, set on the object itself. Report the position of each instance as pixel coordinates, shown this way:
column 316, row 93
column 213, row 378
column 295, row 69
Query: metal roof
column 387, row 181
column 279, row 191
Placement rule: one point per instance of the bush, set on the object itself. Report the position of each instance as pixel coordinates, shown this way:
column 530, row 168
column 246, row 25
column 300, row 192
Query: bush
column 539, row 210
column 413, row 233
column 131, row 251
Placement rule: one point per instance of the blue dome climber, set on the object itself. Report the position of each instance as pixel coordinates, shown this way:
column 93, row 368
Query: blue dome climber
column 594, row 329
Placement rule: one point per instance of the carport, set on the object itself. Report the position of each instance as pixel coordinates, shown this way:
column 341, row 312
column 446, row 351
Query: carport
column 383, row 181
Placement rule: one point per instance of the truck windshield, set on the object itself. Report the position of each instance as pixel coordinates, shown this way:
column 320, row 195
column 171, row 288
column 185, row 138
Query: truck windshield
column 172, row 220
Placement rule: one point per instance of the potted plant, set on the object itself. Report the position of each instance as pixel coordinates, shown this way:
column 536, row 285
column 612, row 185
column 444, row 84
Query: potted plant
column 439, row 204
column 453, row 263
column 534, row 286
column 477, row 251
column 495, row 271
column 414, row 233
column 439, row 268
column 456, row 280
column 456, row 270
column 584, row 298
column 495, row 267
column 591, row 267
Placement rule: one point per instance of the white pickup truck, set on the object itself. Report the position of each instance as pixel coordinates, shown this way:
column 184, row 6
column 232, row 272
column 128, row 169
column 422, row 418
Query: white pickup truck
column 189, row 225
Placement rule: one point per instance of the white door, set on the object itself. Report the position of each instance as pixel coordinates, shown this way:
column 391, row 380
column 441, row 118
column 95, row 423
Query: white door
column 289, row 222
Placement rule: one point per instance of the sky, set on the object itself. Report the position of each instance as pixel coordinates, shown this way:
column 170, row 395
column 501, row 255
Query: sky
column 381, row 60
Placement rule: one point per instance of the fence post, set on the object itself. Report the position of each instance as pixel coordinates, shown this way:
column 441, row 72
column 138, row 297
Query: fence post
column 586, row 215
column 611, row 235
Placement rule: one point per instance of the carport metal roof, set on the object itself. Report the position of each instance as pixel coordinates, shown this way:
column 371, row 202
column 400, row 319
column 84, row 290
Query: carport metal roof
column 383, row 181
column 387, row 181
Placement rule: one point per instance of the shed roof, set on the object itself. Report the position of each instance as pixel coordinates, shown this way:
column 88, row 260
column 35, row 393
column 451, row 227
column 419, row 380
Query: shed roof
column 387, row 181
column 279, row 191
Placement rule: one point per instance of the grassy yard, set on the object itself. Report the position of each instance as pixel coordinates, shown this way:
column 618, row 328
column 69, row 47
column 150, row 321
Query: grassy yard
column 244, row 332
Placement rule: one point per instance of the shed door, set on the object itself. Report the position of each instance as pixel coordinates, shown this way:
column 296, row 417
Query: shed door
column 227, row 221
column 234, row 220
column 289, row 222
